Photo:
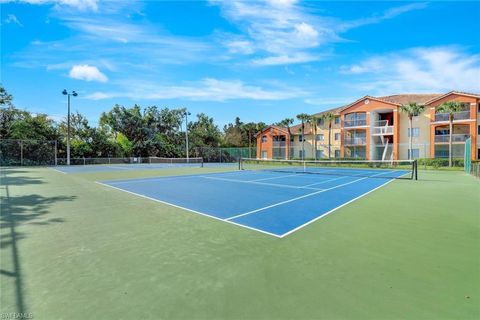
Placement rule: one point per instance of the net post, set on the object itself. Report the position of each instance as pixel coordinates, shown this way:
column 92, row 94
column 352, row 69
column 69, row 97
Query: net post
column 239, row 163
column 201, row 162
column 415, row 169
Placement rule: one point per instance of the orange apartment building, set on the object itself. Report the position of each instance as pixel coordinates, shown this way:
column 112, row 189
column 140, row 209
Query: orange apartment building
column 374, row 128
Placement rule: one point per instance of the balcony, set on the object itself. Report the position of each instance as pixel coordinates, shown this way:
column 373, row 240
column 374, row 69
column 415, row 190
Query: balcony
column 354, row 123
column 383, row 131
column 444, row 138
column 462, row 115
column 355, row 141
column 279, row 144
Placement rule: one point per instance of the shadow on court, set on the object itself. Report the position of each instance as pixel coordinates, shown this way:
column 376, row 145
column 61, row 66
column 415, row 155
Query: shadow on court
column 17, row 211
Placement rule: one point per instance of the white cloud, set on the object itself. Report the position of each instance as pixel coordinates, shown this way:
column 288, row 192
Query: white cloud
column 207, row 89
column 419, row 70
column 386, row 15
column 87, row 73
column 322, row 101
column 82, row 5
column 240, row 46
column 283, row 30
column 11, row 18
column 285, row 59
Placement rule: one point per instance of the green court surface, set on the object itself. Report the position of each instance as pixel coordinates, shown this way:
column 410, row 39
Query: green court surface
column 74, row 249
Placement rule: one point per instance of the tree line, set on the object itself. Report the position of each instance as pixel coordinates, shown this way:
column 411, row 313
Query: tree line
column 125, row 131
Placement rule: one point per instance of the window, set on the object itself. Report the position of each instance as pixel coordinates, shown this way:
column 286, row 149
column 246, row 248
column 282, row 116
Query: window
column 292, row 138
column 264, row 139
column 300, row 154
column 319, row 154
column 337, row 120
column 478, row 108
column 355, row 119
column 337, row 153
column 337, row 136
column 300, row 138
column 415, row 132
column 415, row 153
column 478, row 130
column 264, row 154
column 320, row 137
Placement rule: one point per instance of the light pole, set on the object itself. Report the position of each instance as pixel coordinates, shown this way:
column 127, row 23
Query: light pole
column 186, row 114
column 73, row 93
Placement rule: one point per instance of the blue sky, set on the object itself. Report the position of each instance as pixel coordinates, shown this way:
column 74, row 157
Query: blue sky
column 261, row 61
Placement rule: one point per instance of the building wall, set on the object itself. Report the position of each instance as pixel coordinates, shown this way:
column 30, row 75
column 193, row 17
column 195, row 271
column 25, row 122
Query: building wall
column 321, row 145
column 267, row 146
column 422, row 142
column 425, row 142
column 472, row 122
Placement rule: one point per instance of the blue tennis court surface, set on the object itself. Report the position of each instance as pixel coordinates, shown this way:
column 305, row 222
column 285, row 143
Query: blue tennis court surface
column 134, row 166
column 276, row 203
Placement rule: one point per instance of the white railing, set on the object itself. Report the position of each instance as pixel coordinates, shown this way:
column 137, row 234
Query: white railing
column 455, row 138
column 355, row 123
column 355, row 141
column 462, row 115
column 381, row 123
column 386, row 130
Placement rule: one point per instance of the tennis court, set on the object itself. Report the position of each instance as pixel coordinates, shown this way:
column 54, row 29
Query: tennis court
column 107, row 165
column 274, row 198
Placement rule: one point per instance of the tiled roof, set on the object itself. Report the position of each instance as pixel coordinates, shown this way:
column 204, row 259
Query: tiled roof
column 296, row 129
column 398, row 99
column 410, row 97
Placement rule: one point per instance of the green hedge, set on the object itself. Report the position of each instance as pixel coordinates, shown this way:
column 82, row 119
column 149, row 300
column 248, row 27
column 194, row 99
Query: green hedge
column 439, row 162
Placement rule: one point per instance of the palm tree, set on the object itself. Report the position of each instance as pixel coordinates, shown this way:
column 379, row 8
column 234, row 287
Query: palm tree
column 328, row 118
column 450, row 107
column 312, row 120
column 412, row 109
column 287, row 123
column 304, row 118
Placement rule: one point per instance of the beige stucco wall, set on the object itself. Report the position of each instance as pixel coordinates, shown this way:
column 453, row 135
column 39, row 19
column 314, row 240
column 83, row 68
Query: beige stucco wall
column 422, row 142
column 321, row 145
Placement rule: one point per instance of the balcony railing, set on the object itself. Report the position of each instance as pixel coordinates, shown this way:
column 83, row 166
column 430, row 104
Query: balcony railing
column 355, row 141
column 382, row 131
column 442, row 138
column 381, row 123
column 279, row 144
column 354, row 123
column 462, row 115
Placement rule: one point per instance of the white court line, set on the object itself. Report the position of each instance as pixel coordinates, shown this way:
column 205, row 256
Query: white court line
column 301, row 197
column 260, row 183
column 162, row 178
column 115, row 167
column 334, row 209
column 59, row 170
column 187, row 209
column 271, row 178
column 314, row 184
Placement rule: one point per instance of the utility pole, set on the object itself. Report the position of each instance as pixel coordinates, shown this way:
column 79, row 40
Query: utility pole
column 186, row 132
column 73, row 93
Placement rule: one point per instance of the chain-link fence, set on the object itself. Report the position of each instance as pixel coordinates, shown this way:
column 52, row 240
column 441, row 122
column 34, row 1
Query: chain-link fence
column 27, row 152
column 210, row 154
column 105, row 160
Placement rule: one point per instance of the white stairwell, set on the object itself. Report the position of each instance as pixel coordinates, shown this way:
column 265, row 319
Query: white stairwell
column 385, row 149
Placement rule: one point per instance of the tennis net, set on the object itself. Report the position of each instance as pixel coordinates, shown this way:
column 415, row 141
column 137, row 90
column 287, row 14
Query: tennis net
column 177, row 161
column 393, row 169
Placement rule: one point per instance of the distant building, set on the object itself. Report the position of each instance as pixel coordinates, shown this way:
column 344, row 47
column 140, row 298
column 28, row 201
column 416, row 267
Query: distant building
column 373, row 128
